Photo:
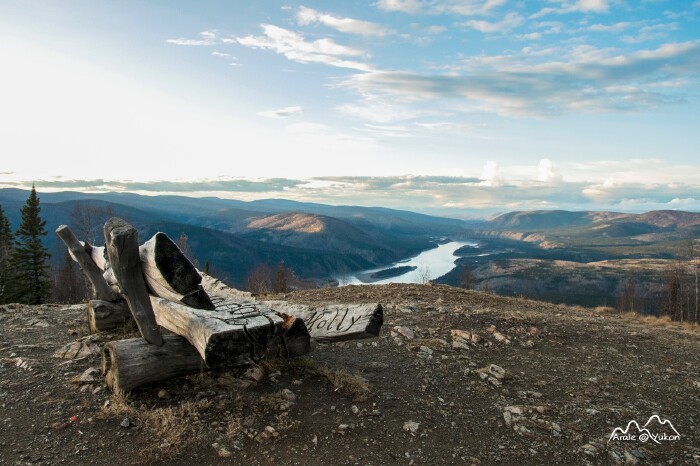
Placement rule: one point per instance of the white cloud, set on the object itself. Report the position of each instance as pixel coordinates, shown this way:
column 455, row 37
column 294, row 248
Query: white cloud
column 457, row 7
column 652, row 32
column 206, row 38
column 294, row 47
column 467, row 7
column 285, row 112
column 586, row 80
column 547, row 172
column 616, row 27
column 596, row 6
column 406, row 6
column 509, row 22
column 580, row 6
column 491, row 174
column 306, row 16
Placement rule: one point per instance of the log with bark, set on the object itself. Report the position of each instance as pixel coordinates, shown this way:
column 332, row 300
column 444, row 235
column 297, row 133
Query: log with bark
column 101, row 289
column 335, row 322
column 127, row 364
column 236, row 332
column 123, row 253
column 107, row 315
column 170, row 274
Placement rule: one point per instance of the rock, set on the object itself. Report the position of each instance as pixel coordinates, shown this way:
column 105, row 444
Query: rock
column 630, row 458
column 221, row 450
column 289, row 395
column 495, row 374
column 76, row 350
column 411, row 426
column 163, row 394
column 405, row 332
column 507, row 418
column 460, row 344
column 255, row 373
column 589, row 449
column 500, row 337
column 87, row 376
column 533, row 331
column 514, row 410
column 354, row 409
column 126, row 423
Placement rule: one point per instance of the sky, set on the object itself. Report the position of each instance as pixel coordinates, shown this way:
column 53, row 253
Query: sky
column 456, row 108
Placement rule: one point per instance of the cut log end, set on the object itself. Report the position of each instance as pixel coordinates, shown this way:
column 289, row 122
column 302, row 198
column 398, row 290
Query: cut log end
column 105, row 315
column 132, row 363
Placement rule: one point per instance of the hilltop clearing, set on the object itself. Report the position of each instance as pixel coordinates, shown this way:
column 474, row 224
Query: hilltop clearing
column 456, row 377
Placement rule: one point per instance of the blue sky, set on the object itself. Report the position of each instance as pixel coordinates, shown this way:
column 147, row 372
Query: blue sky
column 452, row 107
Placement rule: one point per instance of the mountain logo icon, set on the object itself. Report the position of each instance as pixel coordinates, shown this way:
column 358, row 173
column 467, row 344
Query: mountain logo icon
column 655, row 429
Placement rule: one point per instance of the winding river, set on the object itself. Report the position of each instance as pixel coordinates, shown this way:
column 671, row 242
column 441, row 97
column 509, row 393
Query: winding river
column 437, row 262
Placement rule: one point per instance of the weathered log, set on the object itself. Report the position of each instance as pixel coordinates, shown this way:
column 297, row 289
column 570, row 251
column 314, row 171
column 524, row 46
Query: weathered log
column 123, row 252
column 335, row 322
column 99, row 257
column 215, row 287
column 127, row 364
column 101, row 290
column 293, row 340
column 106, row 315
column 236, row 332
column 170, row 274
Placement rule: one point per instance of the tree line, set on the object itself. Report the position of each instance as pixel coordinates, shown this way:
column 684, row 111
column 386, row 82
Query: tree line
column 24, row 269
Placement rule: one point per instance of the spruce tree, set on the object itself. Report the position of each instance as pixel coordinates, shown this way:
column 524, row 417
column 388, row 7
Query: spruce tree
column 30, row 282
column 6, row 242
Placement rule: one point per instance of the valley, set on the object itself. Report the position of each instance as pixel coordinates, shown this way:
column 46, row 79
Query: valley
column 578, row 258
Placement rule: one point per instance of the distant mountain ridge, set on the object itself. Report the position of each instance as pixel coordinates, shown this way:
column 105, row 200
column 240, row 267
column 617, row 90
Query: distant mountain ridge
column 316, row 240
column 539, row 220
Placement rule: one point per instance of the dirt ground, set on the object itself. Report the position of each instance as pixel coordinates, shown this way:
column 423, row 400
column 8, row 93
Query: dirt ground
column 524, row 383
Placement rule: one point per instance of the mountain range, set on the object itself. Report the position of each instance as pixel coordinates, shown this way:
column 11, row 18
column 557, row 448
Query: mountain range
column 317, row 241
column 320, row 241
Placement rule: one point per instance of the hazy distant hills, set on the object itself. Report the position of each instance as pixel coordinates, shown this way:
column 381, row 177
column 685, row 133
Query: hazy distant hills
column 320, row 241
column 577, row 226
column 316, row 240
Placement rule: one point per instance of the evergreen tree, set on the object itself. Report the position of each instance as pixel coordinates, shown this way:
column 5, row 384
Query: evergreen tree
column 281, row 284
column 30, row 282
column 6, row 240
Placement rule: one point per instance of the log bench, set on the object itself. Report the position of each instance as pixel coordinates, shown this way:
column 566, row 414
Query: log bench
column 214, row 326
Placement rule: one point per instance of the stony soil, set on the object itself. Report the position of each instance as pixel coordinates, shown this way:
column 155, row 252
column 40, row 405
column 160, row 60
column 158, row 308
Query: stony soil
column 523, row 383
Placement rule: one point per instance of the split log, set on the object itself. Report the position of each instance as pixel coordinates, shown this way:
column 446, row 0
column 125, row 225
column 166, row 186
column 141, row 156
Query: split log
column 215, row 287
column 99, row 257
column 101, row 288
column 170, row 274
column 235, row 333
column 123, row 252
column 293, row 340
column 336, row 322
column 105, row 315
column 127, row 364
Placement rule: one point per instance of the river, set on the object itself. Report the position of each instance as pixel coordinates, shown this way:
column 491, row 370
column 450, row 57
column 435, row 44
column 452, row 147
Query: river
column 438, row 261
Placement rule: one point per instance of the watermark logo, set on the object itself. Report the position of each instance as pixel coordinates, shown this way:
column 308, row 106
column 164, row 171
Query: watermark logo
column 655, row 429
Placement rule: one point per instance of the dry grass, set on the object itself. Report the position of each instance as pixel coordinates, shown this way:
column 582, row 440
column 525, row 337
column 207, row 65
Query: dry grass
column 345, row 382
column 662, row 321
column 175, row 427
